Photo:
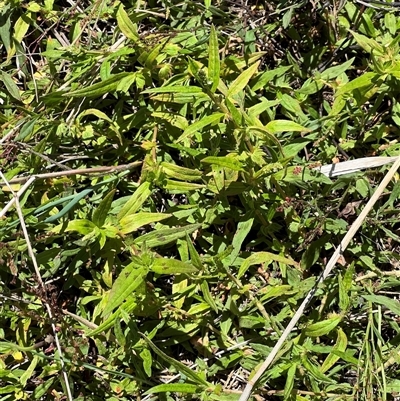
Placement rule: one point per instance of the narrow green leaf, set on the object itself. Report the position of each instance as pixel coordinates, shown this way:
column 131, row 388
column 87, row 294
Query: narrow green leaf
column 310, row 87
column 238, row 116
column 27, row 129
column 171, row 266
column 178, row 187
column 262, row 257
column 175, row 388
column 127, row 27
column 11, row 86
column 334, row 72
column 9, row 389
column 207, row 295
column 341, row 345
column 290, row 381
column 390, row 303
column 74, row 200
column 145, row 354
column 6, row 30
column 314, row 370
column 391, row 23
column 151, row 57
column 242, row 80
column 267, row 76
column 175, row 89
column 181, row 173
column 132, row 222
column 347, row 357
column 42, row 388
column 128, row 306
column 213, row 60
column 181, row 98
column 99, row 89
column 180, row 367
column 136, row 201
column 97, row 113
column 392, row 385
column 243, row 229
column 29, row 371
column 323, row 327
column 131, row 277
column 194, row 255
column 359, row 82
column 165, row 236
column 101, row 212
column 368, row 44
column 271, row 292
column 224, row 161
column 198, row 125
column 119, row 334
column 338, row 105
column 284, row 125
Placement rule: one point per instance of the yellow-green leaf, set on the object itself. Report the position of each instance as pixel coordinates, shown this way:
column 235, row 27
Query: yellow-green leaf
column 11, row 86
column 359, row 82
column 284, row 125
column 101, row 212
column 224, row 161
column 174, row 388
column 368, row 44
column 198, row 125
column 213, row 59
column 267, row 76
column 82, row 226
column 21, row 27
column 263, row 257
column 341, row 345
column 132, row 222
column 135, row 201
column 128, row 281
column 179, row 187
column 181, row 173
column 242, row 80
column 171, row 266
column 29, row 371
column 174, row 119
column 165, row 235
column 181, row 98
column 128, row 28
column 97, row 113
column 175, row 89
column 321, row 328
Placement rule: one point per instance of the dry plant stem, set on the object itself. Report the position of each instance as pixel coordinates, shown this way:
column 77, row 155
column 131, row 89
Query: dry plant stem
column 83, row 171
column 17, row 196
column 11, row 132
column 39, row 279
column 330, row 265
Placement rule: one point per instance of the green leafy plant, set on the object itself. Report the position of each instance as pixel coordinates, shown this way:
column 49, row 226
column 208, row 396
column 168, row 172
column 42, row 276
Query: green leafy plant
column 164, row 216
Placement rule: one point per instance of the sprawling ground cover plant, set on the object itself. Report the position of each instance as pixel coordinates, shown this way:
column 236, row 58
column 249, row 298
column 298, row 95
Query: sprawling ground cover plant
column 176, row 221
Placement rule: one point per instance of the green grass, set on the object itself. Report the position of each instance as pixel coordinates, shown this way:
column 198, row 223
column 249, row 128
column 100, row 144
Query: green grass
column 176, row 222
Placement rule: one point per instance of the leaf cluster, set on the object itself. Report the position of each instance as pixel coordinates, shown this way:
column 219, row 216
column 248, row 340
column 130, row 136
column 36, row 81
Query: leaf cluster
column 173, row 278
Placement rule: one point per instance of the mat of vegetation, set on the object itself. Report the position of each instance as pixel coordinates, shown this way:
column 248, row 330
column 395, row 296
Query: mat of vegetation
column 168, row 265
